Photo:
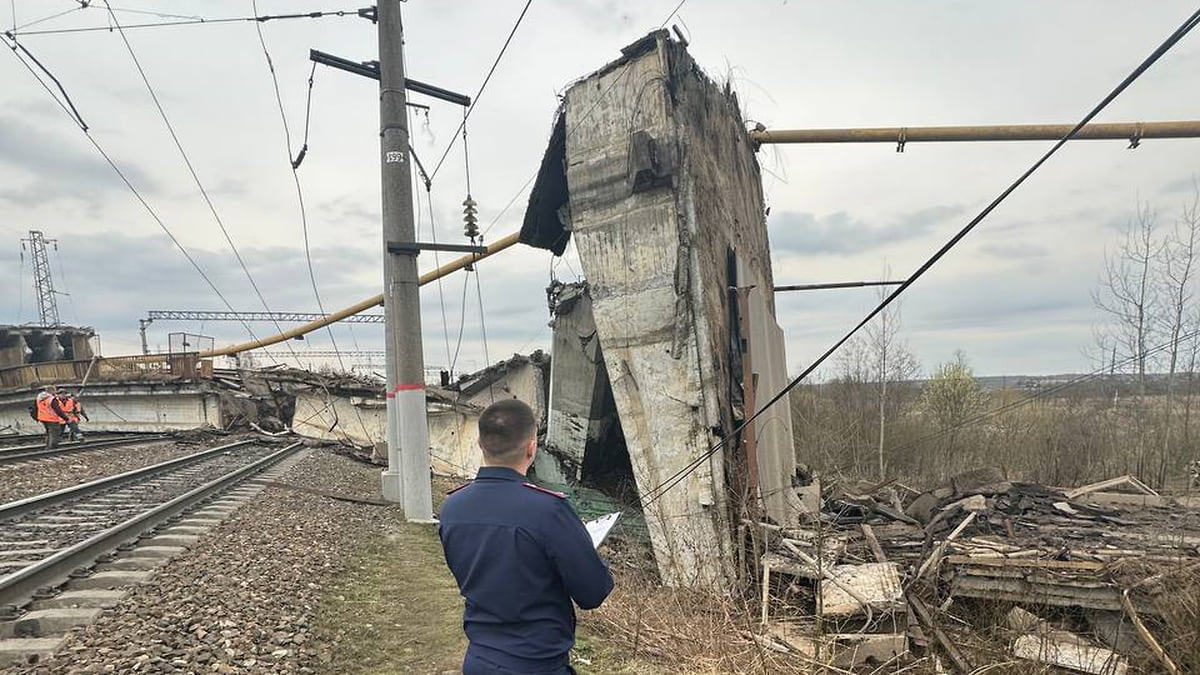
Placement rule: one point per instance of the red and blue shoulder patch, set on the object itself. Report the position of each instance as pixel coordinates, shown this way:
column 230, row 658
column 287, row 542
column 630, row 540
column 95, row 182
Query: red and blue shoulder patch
column 457, row 488
column 539, row 488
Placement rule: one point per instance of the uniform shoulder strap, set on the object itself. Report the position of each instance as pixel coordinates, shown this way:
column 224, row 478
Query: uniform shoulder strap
column 457, row 488
column 539, row 488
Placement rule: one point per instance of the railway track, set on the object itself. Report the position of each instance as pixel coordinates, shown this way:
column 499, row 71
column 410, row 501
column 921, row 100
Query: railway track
column 47, row 540
column 22, row 453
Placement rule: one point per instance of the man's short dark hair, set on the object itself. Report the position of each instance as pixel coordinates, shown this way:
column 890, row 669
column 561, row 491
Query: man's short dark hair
column 504, row 429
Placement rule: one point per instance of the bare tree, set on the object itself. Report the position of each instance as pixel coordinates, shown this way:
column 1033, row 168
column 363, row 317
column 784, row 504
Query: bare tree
column 1179, row 264
column 1129, row 296
column 890, row 361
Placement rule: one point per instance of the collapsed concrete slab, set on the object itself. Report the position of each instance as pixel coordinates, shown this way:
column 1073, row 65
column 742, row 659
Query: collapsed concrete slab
column 652, row 172
column 354, row 412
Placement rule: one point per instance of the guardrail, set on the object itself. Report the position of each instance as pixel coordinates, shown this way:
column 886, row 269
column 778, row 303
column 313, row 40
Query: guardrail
column 144, row 366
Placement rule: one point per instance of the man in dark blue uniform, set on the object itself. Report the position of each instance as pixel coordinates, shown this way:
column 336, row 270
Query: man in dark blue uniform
column 520, row 555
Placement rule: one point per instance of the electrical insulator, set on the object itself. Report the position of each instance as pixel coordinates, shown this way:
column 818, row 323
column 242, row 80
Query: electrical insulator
column 471, row 222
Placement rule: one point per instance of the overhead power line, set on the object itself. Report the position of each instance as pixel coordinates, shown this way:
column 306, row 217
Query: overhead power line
column 186, row 22
column 124, row 179
column 479, row 92
column 162, row 113
column 658, row 491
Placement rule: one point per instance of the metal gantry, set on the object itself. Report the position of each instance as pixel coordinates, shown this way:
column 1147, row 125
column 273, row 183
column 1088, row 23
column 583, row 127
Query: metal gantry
column 43, row 284
column 275, row 317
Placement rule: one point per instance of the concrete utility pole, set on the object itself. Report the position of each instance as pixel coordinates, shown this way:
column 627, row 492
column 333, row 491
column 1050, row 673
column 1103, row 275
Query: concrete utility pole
column 406, row 479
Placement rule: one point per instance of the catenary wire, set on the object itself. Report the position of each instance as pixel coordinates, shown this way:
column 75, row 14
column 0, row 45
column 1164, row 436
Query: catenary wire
column 487, row 359
column 425, row 180
column 132, row 188
column 186, row 22
column 658, row 491
column 294, row 164
column 190, row 167
column 479, row 92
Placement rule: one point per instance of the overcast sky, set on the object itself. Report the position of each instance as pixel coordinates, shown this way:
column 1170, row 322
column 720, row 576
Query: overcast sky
column 1015, row 295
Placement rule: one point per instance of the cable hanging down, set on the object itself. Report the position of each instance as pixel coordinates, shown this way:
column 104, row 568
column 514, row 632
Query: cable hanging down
column 1190, row 23
column 190, row 167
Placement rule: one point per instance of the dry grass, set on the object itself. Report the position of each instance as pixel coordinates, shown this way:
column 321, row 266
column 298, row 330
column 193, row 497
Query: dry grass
column 669, row 630
column 397, row 611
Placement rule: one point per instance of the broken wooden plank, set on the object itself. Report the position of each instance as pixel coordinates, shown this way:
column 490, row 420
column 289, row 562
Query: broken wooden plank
column 1147, row 636
column 957, row 660
column 1070, row 565
column 873, row 543
column 1123, row 499
column 1069, row 654
column 1111, row 483
column 878, row 584
column 932, row 561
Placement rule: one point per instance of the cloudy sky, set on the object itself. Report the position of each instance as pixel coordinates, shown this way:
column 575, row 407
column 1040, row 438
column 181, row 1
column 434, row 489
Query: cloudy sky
column 1015, row 295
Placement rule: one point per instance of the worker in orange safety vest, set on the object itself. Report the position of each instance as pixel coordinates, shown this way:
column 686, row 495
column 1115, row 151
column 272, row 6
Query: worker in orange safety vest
column 52, row 416
column 73, row 409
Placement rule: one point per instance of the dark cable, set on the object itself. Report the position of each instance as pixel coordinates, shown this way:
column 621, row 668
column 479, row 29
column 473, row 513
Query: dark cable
column 74, row 111
column 657, row 492
column 462, row 321
column 138, row 195
column 487, row 360
column 191, row 169
column 307, row 118
column 479, row 92
column 186, row 22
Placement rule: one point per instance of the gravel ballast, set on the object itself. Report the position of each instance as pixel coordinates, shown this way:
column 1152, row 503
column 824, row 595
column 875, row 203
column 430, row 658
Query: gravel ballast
column 243, row 598
column 18, row 481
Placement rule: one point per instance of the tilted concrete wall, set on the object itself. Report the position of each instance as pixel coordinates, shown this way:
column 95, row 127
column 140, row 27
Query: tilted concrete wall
column 132, row 407
column 662, row 183
column 581, row 411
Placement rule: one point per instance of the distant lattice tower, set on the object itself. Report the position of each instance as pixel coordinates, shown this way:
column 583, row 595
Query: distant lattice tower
column 42, row 283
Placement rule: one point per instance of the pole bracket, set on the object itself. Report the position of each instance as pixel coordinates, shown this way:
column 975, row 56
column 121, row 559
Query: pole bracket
column 415, row 247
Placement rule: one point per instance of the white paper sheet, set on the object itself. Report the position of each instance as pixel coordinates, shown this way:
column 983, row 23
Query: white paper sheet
column 600, row 527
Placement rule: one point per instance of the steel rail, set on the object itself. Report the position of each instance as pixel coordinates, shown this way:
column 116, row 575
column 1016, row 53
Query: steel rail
column 24, row 452
column 37, row 502
column 17, row 588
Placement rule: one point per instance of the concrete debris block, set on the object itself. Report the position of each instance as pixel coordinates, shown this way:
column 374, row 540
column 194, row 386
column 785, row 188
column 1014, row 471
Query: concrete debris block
column 877, row 583
column 1073, row 656
column 972, row 504
column 846, row 650
column 1115, row 630
column 922, row 508
column 1021, row 621
column 976, row 480
column 810, row 496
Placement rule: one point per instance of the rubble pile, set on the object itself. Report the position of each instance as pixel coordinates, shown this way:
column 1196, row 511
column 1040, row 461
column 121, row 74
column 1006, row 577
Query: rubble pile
column 979, row 571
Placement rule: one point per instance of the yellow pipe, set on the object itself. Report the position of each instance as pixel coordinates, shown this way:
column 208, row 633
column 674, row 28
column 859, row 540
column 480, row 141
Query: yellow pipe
column 373, row 301
column 995, row 132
